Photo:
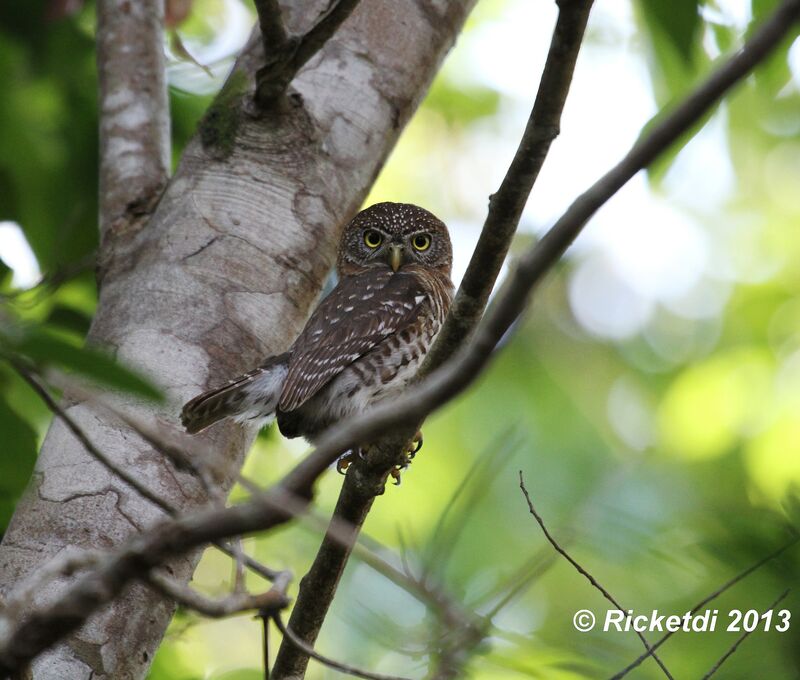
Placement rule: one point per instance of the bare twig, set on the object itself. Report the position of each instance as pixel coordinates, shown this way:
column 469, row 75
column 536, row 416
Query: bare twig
column 87, row 443
column 272, row 600
column 270, row 21
column 741, row 639
column 507, row 204
column 308, row 650
column 729, row 584
column 583, row 571
column 285, row 55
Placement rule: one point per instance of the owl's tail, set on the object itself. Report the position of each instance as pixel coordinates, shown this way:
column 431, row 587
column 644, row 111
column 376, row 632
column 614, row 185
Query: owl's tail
column 250, row 398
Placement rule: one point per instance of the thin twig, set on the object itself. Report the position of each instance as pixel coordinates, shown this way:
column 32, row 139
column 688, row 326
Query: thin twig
column 270, row 21
column 308, row 650
column 285, row 55
column 741, row 639
column 506, row 205
column 271, row 600
column 729, row 584
column 87, row 443
column 585, row 573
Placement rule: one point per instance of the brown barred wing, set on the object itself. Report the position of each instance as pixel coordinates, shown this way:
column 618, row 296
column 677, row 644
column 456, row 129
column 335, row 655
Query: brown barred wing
column 360, row 313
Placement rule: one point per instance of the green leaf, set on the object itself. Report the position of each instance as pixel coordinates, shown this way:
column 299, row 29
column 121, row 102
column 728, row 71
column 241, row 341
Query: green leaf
column 677, row 22
column 46, row 349
column 459, row 104
column 773, row 74
column 16, row 463
column 69, row 318
column 674, row 29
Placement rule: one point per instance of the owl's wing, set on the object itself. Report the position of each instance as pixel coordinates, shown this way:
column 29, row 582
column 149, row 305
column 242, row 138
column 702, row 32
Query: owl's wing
column 360, row 313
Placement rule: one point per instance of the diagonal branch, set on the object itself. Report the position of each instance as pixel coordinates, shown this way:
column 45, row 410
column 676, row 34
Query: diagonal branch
column 507, row 204
column 702, row 603
column 308, row 650
column 595, row 583
column 272, row 600
column 741, row 639
column 285, row 55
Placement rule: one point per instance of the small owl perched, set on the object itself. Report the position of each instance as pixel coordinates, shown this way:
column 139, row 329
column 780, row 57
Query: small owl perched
column 363, row 343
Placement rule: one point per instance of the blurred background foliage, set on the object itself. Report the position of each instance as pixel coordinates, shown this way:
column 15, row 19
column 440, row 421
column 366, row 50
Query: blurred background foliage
column 651, row 396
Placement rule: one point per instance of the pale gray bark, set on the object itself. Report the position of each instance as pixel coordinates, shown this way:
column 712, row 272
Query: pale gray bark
column 221, row 276
column 134, row 112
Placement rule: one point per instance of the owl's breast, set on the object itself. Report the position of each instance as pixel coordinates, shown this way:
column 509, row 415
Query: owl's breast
column 380, row 374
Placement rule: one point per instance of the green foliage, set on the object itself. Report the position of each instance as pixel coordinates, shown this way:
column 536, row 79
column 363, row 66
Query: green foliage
column 462, row 104
column 16, row 461
column 48, row 132
column 47, row 350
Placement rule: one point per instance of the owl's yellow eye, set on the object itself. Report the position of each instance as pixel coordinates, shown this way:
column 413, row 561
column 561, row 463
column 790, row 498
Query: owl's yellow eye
column 373, row 238
column 421, row 242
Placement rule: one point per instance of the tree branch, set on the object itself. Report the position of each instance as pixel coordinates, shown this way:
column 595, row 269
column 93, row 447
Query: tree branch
column 308, row 650
column 272, row 600
column 507, row 204
column 285, row 55
column 134, row 115
column 595, row 583
column 741, row 639
column 741, row 575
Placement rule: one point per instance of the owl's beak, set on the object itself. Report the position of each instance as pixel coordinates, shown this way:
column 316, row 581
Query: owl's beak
column 395, row 257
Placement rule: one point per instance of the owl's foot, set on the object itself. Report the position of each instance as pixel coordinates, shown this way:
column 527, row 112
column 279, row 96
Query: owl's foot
column 348, row 458
column 413, row 449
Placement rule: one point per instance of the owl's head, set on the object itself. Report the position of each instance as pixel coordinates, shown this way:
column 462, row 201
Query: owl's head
column 394, row 235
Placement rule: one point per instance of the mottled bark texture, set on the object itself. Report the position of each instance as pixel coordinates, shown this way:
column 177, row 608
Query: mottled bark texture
column 134, row 113
column 222, row 275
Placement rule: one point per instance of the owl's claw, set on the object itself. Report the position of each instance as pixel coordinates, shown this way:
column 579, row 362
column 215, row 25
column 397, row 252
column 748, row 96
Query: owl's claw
column 395, row 473
column 416, row 445
column 344, row 462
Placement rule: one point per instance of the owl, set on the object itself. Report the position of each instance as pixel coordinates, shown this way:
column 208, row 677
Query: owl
column 363, row 343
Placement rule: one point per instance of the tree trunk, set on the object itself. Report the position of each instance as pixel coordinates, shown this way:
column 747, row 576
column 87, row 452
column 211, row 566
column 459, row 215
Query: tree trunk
column 222, row 275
